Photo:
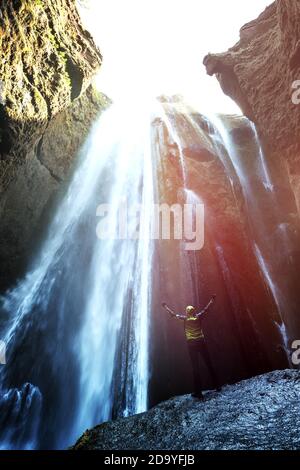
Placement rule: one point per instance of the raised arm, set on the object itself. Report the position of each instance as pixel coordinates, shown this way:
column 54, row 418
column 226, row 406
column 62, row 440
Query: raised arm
column 172, row 313
column 207, row 307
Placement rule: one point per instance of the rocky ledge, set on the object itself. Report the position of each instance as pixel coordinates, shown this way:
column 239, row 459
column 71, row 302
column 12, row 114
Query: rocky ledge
column 262, row 413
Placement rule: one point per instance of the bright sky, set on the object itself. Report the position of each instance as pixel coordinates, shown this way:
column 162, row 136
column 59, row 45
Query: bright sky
column 157, row 46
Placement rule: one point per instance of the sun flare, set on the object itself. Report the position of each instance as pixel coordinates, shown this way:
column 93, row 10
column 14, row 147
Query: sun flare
column 155, row 47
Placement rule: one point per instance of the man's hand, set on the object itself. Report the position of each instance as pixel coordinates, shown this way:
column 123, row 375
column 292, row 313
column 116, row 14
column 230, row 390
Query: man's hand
column 207, row 306
column 165, row 306
column 168, row 309
column 210, row 302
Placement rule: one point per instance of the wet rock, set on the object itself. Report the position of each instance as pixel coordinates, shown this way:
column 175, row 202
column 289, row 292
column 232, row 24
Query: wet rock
column 257, row 414
column 242, row 328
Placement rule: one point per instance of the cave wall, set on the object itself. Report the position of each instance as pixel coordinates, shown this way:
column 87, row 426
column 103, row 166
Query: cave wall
column 260, row 73
column 47, row 106
column 242, row 327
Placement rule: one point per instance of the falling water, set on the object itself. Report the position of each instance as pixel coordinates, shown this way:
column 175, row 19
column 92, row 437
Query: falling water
column 189, row 257
column 262, row 162
column 255, row 213
column 184, row 133
column 67, row 317
column 276, row 296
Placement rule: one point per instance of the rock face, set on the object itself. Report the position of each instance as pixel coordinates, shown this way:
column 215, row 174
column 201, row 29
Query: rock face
column 258, row 414
column 47, row 60
column 46, row 109
column 243, row 328
column 27, row 201
column 259, row 73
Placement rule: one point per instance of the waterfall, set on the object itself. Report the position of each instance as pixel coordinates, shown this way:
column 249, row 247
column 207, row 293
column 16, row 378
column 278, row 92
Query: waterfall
column 189, row 257
column 77, row 327
column 256, row 217
column 180, row 127
column 263, row 169
column 66, row 321
column 276, row 296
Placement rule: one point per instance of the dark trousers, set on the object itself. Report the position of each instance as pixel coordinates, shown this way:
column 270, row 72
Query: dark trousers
column 197, row 348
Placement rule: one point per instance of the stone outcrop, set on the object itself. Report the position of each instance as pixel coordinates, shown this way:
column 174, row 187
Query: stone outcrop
column 258, row 414
column 47, row 60
column 259, row 73
column 47, row 106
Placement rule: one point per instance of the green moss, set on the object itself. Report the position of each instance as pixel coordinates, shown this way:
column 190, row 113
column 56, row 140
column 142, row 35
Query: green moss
column 83, row 440
column 52, row 39
column 67, row 80
column 38, row 97
column 62, row 56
